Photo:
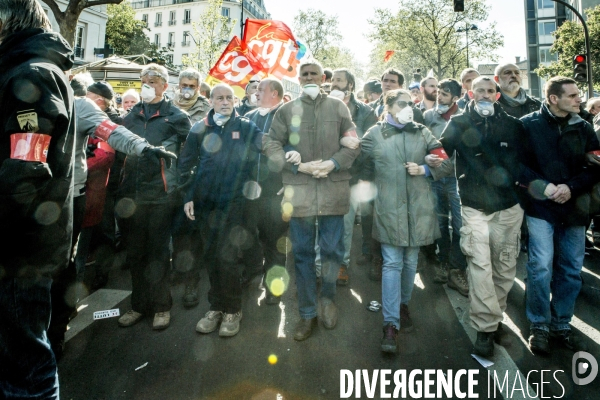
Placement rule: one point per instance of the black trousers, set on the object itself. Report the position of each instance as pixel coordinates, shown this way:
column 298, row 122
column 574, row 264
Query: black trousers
column 187, row 247
column 148, row 257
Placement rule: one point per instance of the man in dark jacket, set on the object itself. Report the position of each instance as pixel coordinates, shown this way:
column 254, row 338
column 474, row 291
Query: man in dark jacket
column 148, row 199
column 485, row 141
column 363, row 116
column 513, row 98
column 226, row 149
column 556, row 207
column 248, row 103
column 36, row 192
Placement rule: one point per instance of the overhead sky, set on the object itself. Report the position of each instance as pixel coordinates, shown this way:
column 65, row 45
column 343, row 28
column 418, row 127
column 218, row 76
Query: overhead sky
column 353, row 15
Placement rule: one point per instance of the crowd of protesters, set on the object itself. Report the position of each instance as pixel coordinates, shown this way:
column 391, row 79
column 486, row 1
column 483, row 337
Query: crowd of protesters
column 462, row 174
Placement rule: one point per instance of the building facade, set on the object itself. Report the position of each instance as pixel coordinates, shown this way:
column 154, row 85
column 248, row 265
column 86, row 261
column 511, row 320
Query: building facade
column 542, row 18
column 90, row 32
column 170, row 21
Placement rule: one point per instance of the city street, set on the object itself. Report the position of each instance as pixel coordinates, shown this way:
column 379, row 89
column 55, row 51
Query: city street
column 105, row 361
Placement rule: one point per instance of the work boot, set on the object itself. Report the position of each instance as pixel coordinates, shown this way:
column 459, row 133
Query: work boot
column 538, row 341
column 129, row 318
column 406, row 324
column 484, row 345
column 441, row 273
column 389, row 343
column 304, row 328
column 457, row 280
column 230, row 325
column 343, row 278
column 375, row 271
column 567, row 338
column 190, row 297
column 210, row 322
column 501, row 336
column 328, row 313
column 161, row 320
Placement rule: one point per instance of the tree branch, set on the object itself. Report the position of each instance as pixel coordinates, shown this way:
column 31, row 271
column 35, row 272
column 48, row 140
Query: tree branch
column 54, row 8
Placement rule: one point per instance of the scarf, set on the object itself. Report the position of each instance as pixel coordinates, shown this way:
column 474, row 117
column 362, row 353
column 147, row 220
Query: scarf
column 390, row 120
column 517, row 101
column 184, row 104
column 450, row 112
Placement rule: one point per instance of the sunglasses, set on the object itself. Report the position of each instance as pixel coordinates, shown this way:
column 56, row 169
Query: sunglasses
column 403, row 103
column 152, row 73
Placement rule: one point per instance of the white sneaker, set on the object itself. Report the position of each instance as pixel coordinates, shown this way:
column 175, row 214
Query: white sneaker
column 210, row 322
column 231, row 324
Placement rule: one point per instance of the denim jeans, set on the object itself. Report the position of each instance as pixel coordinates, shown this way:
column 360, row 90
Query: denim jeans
column 398, row 279
column 302, row 233
column 555, row 259
column 27, row 364
column 448, row 201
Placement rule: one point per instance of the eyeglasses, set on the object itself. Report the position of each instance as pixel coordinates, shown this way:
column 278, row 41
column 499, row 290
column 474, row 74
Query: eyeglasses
column 403, row 103
column 152, row 73
column 254, row 81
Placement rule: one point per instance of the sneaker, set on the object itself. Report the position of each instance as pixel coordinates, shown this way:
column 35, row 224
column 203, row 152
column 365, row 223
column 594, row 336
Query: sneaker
column 567, row 338
column 484, row 345
column 161, row 320
column 343, row 278
column 375, row 271
column 389, row 343
column 501, row 336
column 230, row 325
column 210, row 322
column 538, row 341
column 190, row 297
column 457, row 280
column 304, row 328
column 406, row 324
column 441, row 273
column 130, row 318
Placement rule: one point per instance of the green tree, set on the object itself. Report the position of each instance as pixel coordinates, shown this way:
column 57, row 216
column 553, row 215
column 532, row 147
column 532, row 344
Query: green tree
column 569, row 41
column 67, row 19
column 424, row 35
column 210, row 35
column 124, row 33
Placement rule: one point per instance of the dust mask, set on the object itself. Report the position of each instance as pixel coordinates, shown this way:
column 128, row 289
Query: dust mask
column 405, row 115
column 484, row 108
column 148, row 93
column 220, row 119
column 253, row 99
column 338, row 94
column 311, row 90
column 442, row 108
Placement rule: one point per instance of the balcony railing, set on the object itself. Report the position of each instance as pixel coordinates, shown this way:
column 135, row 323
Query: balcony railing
column 158, row 3
column 185, row 43
column 170, row 44
column 187, row 21
column 79, row 52
column 158, row 23
column 172, row 22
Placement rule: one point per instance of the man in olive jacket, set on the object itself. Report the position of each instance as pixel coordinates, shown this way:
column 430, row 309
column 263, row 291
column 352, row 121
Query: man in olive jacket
column 316, row 189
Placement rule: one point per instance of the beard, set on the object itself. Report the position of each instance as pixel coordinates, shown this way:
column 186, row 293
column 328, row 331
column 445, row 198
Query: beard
column 430, row 96
column 511, row 87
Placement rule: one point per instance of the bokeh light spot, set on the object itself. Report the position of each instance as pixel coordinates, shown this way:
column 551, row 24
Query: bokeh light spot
column 251, row 190
column 47, row 213
column 294, row 139
column 212, row 143
column 125, row 207
column 272, row 359
column 277, row 280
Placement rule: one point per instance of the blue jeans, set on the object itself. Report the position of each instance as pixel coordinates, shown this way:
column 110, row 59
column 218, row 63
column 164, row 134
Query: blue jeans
column 555, row 259
column 448, row 201
column 27, row 364
column 302, row 233
column 399, row 270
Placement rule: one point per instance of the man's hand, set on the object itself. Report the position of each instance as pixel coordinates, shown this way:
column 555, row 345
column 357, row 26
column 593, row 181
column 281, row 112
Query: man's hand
column 350, row 142
column 550, row 190
column 158, row 153
column 592, row 159
column 323, row 169
column 293, row 157
column 309, row 167
column 562, row 194
column 188, row 209
column 414, row 169
column 433, row 160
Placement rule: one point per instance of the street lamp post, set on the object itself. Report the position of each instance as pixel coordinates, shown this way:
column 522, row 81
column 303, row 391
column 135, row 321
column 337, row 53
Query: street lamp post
column 466, row 30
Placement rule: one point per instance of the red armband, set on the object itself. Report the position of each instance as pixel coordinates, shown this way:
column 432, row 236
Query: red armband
column 351, row 133
column 29, row 146
column 105, row 129
column 440, row 152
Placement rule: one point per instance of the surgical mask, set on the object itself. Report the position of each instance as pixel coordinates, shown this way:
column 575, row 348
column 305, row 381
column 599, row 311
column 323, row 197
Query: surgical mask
column 220, row 119
column 311, row 90
column 148, row 93
column 484, row 108
column 442, row 108
column 253, row 98
column 405, row 115
column 187, row 93
column 337, row 94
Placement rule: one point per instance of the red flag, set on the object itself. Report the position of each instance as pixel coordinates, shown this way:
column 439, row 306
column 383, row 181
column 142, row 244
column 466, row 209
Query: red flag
column 274, row 44
column 236, row 66
column 388, row 55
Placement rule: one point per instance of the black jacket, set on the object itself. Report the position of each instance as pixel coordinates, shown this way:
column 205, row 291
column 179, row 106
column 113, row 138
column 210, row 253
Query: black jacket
column 530, row 105
column 144, row 180
column 487, row 157
column 35, row 197
column 557, row 155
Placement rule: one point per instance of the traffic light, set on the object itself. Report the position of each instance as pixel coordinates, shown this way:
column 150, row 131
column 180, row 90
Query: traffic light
column 580, row 70
column 459, row 5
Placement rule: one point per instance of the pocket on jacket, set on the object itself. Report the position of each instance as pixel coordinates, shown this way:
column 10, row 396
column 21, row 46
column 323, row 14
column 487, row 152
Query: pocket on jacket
column 466, row 241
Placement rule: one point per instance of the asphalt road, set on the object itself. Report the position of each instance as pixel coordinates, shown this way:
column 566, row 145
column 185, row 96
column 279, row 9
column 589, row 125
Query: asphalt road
column 102, row 360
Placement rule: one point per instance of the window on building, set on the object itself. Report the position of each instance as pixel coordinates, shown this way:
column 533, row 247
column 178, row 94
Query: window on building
column 171, row 41
column 169, row 58
column 157, row 39
column 187, row 16
column 530, row 8
column 531, row 34
column 145, row 19
column 225, row 12
column 545, row 4
column 186, row 39
column 79, row 41
column 172, row 18
column 158, row 20
column 546, row 28
column 546, row 57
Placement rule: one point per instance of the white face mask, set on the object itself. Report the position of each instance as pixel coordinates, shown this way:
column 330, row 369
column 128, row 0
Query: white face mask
column 484, row 108
column 148, row 93
column 311, row 90
column 220, row 119
column 187, row 93
column 442, row 108
column 337, row 94
column 405, row 116
column 253, row 99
